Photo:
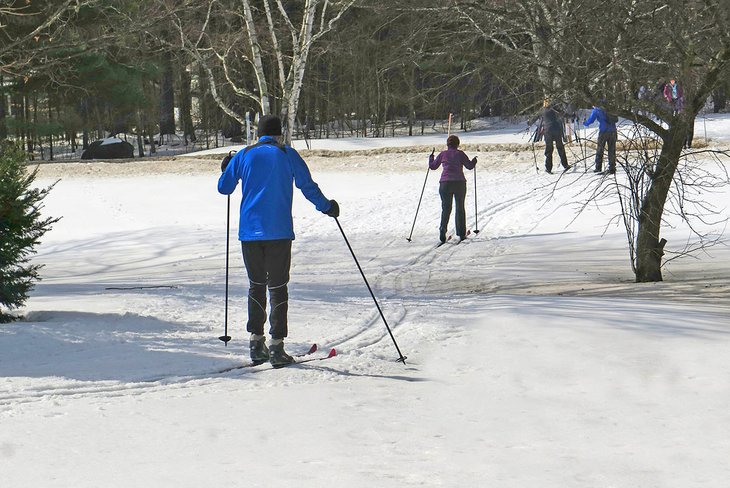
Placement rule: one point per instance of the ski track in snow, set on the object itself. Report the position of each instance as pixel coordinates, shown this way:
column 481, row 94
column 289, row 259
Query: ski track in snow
column 363, row 342
column 366, row 338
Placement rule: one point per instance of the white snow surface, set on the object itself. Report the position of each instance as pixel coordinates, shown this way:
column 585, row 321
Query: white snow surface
column 533, row 357
column 111, row 140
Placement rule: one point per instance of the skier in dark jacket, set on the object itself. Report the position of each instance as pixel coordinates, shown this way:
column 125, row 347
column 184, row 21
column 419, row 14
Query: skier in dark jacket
column 607, row 136
column 266, row 171
column 452, row 185
column 553, row 128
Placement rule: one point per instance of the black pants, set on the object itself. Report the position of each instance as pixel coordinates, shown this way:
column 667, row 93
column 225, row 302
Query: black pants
column 557, row 140
column 453, row 191
column 267, row 265
column 690, row 135
column 606, row 139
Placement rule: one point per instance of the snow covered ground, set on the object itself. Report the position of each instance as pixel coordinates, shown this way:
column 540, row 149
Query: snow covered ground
column 533, row 357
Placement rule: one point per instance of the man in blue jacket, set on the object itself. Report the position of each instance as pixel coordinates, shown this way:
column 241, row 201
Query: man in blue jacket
column 607, row 136
column 267, row 170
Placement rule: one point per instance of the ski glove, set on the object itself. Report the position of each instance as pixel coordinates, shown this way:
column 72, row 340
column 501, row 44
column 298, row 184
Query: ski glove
column 474, row 160
column 226, row 160
column 334, row 210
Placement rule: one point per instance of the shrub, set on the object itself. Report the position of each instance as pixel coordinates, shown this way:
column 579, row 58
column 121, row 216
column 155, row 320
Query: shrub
column 21, row 227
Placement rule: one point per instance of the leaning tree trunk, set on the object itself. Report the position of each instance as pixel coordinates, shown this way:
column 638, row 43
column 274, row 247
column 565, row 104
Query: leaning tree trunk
column 295, row 79
column 257, row 59
column 291, row 102
column 649, row 244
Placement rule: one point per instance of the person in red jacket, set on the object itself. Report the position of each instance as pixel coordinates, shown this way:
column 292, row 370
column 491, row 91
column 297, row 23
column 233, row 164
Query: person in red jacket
column 674, row 95
column 452, row 186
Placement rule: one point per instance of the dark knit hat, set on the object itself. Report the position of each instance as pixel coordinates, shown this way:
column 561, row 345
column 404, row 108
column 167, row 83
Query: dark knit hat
column 453, row 142
column 269, row 125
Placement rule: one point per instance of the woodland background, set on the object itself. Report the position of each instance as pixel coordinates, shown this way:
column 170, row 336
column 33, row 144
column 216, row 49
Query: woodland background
column 194, row 71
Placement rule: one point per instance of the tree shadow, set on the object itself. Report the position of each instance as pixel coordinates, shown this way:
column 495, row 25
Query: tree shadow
column 125, row 347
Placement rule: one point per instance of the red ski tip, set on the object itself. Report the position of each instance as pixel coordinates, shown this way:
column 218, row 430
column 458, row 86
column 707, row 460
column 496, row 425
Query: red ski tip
column 312, row 349
column 333, row 353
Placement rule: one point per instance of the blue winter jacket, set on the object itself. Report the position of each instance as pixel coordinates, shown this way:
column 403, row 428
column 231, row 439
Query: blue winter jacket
column 603, row 124
column 267, row 171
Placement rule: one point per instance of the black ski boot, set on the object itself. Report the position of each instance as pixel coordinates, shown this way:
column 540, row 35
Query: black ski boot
column 277, row 356
column 257, row 349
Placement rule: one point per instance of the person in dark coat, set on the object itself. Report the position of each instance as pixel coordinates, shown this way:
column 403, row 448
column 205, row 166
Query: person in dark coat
column 452, row 185
column 553, row 127
column 267, row 172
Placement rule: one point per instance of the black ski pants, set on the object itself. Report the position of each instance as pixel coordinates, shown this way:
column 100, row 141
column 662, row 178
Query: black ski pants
column 453, row 191
column 557, row 141
column 606, row 139
column 267, row 264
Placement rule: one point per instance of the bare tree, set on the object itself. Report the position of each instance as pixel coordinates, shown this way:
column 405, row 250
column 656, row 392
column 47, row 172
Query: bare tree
column 29, row 29
column 586, row 51
column 700, row 173
column 269, row 38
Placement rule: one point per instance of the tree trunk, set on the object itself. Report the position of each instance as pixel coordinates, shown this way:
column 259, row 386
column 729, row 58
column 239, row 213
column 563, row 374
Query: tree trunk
column 186, row 103
column 140, row 132
column 290, row 105
column 411, row 99
column 649, row 244
column 257, row 59
column 167, row 99
column 27, row 124
column 3, row 111
column 50, row 134
column 295, row 79
column 719, row 100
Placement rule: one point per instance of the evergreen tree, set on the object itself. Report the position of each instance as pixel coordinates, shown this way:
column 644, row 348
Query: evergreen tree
column 21, row 227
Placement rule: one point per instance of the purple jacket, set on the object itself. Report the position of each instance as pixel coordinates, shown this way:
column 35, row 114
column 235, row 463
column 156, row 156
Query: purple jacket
column 454, row 160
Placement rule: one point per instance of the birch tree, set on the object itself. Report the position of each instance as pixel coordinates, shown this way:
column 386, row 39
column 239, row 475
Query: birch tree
column 257, row 50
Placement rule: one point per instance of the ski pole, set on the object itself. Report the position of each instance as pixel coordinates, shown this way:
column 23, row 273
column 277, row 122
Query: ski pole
column 476, row 216
column 225, row 337
column 419, row 202
column 401, row 357
column 585, row 152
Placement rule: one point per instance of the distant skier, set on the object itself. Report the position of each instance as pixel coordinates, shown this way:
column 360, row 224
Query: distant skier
column 267, row 170
column 674, row 95
column 553, row 128
column 570, row 116
column 452, row 186
column 607, row 136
